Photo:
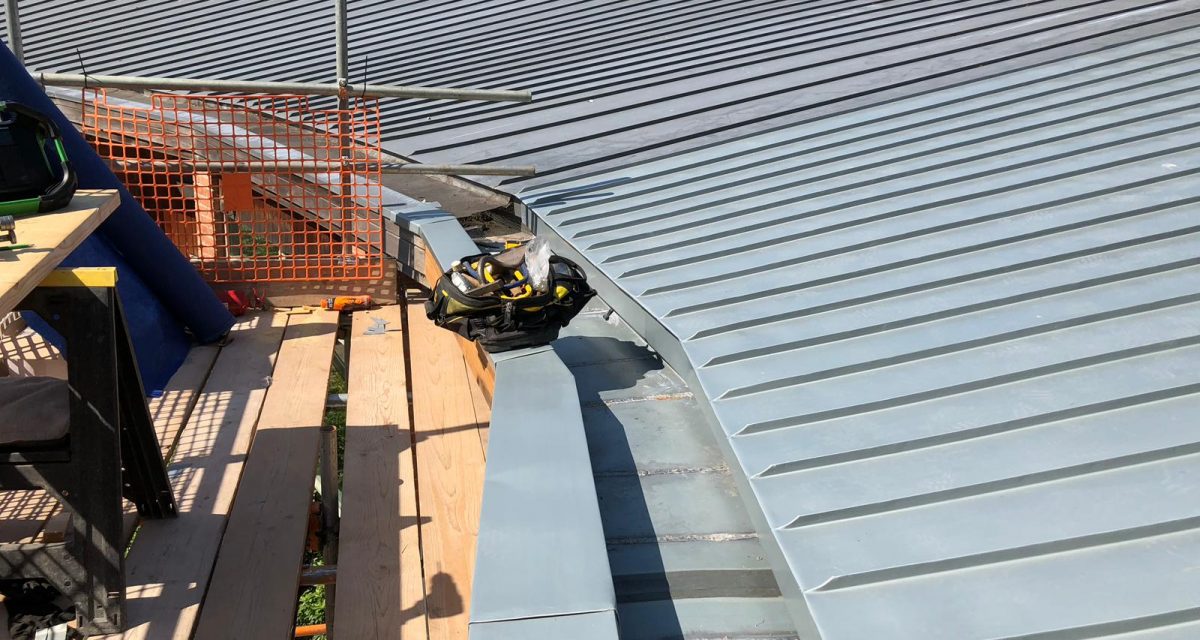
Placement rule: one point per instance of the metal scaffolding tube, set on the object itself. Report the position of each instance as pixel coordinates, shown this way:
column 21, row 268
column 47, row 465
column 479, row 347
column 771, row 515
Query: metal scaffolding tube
column 329, row 508
column 341, row 40
column 12, row 18
column 138, row 83
column 407, row 168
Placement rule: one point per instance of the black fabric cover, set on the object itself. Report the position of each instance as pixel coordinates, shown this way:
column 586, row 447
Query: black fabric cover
column 33, row 410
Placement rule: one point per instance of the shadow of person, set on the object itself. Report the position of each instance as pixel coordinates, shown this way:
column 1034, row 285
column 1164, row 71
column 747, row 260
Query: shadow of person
column 444, row 598
column 611, row 369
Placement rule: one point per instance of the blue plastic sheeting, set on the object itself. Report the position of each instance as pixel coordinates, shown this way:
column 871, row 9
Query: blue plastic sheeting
column 161, row 292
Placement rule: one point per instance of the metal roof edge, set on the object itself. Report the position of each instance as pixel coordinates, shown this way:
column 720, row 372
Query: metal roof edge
column 594, row 625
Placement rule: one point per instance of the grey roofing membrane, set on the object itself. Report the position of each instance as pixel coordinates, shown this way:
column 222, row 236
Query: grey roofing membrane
column 541, row 550
column 950, row 342
column 540, row 568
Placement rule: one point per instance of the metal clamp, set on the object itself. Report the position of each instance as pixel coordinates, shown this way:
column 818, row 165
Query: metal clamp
column 8, row 229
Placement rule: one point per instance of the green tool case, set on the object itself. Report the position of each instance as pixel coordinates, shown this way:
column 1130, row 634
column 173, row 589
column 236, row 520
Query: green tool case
column 35, row 174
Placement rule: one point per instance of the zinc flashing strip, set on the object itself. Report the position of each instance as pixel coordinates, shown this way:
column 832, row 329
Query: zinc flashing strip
column 540, row 556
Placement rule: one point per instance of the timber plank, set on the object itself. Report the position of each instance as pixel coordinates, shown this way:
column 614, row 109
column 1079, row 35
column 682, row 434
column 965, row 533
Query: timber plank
column 481, row 365
column 168, row 567
column 450, row 465
column 23, row 514
column 483, row 413
column 171, row 410
column 53, row 236
column 380, row 588
column 252, row 594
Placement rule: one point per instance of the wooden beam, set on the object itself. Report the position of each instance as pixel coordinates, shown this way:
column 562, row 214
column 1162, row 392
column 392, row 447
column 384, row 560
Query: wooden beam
column 253, row 589
column 483, row 412
column 483, row 370
column 380, row 585
column 171, row 410
column 450, row 465
column 169, row 565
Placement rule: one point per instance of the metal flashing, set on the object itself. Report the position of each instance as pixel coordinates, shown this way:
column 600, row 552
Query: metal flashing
column 541, row 545
column 541, row 565
column 600, row 625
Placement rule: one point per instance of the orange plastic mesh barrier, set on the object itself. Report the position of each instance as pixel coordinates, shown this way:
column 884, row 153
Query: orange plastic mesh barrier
column 252, row 188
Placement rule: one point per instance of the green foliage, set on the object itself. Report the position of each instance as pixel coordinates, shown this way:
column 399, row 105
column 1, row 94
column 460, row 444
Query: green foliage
column 337, row 417
column 337, row 381
column 312, row 599
column 249, row 244
column 312, row 606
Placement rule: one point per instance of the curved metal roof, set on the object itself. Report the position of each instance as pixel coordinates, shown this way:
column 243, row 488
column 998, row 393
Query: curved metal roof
column 613, row 81
column 950, row 340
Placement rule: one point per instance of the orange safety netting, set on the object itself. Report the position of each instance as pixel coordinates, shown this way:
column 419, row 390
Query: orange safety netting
column 252, row 188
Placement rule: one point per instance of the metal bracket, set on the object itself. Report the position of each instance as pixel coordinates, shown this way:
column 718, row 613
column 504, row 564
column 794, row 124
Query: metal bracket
column 8, row 229
column 378, row 327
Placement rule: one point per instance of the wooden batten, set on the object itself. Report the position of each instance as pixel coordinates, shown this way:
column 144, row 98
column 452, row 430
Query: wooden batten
column 478, row 361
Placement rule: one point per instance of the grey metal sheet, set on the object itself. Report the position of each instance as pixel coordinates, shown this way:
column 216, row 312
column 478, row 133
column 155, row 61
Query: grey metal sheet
column 766, row 618
column 588, row 626
column 949, row 339
column 541, row 546
column 677, row 533
column 541, row 568
column 613, row 82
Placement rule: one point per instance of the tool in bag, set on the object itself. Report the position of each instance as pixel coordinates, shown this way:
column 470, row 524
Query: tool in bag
column 519, row 298
column 35, row 174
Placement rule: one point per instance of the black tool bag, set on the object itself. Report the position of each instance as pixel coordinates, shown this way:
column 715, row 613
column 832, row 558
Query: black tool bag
column 35, row 174
column 500, row 322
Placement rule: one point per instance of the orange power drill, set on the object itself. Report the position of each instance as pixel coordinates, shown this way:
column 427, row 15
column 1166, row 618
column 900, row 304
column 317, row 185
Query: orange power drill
column 346, row 303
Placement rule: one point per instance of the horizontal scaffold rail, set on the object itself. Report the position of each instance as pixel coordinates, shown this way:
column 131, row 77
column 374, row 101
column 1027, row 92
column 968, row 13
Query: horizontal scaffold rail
column 284, row 88
column 231, row 166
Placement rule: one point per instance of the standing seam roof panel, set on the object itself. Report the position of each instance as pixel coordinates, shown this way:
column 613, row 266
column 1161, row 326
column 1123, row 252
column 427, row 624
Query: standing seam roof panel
column 950, row 339
column 613, row 82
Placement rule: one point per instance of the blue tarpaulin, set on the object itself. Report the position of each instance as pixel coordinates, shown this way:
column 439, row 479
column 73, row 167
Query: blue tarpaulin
column 160, row 290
